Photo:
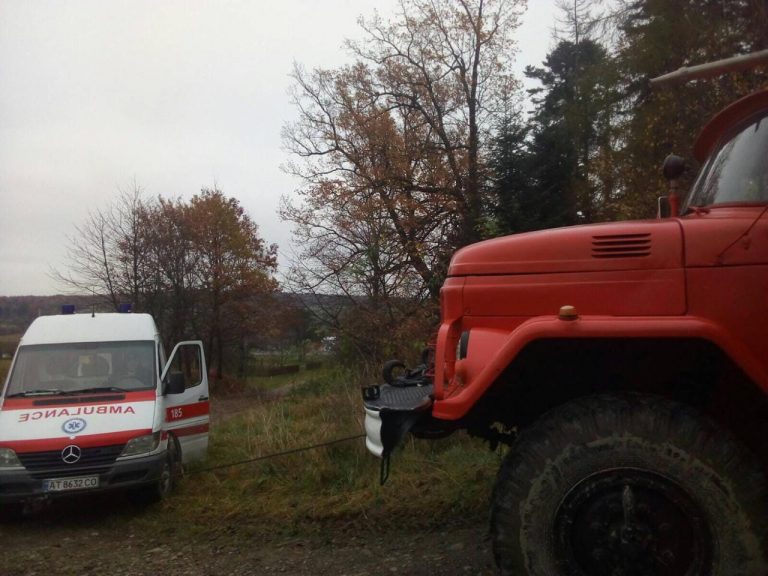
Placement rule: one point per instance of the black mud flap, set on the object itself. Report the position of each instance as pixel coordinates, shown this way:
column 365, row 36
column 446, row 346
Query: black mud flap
column 400, row 408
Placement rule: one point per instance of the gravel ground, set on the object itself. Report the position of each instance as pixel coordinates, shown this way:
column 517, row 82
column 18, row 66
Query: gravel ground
column 61, row 540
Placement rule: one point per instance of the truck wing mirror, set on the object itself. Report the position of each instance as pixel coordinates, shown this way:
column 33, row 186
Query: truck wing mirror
column 175, row 383
column 674, row 167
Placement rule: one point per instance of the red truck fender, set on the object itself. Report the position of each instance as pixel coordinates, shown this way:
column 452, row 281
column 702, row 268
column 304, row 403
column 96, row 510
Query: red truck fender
column 496, row 349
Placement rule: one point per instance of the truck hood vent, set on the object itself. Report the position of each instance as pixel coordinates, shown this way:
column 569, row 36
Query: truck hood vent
column 621, row 246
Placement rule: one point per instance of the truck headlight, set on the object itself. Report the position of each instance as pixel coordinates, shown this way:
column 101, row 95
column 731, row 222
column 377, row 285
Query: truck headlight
column 141, row 445
column 8, row 458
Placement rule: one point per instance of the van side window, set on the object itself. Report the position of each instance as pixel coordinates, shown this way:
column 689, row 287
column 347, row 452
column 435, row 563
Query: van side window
column 187, row 361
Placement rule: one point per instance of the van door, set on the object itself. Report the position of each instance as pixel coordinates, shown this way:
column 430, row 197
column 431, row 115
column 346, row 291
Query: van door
column 187, row 413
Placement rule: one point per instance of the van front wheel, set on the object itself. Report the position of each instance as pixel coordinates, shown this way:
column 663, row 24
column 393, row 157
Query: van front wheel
column 170, row 474
column 632, row 486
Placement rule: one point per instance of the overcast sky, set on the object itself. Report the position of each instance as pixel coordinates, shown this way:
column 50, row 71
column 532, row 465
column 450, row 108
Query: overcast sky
column 175, row 96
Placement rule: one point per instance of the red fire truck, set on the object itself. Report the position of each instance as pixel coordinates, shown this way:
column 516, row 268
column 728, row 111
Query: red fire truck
column 626, row 365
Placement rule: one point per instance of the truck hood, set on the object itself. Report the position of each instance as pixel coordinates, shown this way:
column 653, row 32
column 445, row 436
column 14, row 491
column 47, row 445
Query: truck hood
column 638, row 245
column 49, row 423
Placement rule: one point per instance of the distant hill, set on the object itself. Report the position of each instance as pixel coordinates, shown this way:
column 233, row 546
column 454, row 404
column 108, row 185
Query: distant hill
column 17, row 312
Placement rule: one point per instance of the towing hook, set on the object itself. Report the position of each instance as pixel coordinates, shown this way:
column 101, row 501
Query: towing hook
column 389, row 367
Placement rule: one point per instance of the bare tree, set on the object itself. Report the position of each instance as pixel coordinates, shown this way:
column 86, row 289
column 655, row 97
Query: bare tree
column 105, row 256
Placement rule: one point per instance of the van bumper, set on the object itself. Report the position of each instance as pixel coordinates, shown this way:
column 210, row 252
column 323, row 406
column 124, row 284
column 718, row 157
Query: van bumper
column 17, row 484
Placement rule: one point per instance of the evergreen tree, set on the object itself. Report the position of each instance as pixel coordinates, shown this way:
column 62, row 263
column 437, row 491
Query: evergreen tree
column 559, row 170
column 656, row 37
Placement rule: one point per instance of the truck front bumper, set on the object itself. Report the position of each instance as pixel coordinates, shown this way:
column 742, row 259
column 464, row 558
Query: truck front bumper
column 391, row 412
column 17, row 484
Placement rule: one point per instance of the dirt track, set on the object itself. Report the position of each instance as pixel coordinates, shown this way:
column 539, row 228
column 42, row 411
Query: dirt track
column 69, row 539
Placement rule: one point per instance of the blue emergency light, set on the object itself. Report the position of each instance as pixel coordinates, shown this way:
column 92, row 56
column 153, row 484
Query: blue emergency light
column 68, row 309
column 125, row 307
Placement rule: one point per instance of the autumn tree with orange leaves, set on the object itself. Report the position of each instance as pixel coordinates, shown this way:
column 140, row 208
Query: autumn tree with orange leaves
column 389, row 150
column 199, row 267
column 233, row 268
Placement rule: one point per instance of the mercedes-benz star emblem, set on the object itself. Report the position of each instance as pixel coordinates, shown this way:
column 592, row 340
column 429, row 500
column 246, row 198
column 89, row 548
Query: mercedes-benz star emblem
column 71, row 454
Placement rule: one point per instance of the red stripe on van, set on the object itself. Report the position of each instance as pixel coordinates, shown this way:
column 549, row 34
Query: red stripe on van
column 89, row 441
column 190, row 430
column 184, row 411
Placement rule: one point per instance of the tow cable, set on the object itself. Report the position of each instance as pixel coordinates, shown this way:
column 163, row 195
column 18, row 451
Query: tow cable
column 275, row 454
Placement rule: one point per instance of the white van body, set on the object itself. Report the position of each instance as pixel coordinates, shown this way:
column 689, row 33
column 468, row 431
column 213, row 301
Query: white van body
column 90, row 403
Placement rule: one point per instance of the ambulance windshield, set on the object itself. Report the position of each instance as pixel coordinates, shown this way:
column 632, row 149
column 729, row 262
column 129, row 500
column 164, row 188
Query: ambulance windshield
column 52, row 369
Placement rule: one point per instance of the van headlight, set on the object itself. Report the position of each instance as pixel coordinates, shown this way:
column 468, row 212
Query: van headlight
column 8, row 458
column 141, row 445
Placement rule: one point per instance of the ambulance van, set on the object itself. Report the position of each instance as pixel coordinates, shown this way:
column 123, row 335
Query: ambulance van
column 91, row 404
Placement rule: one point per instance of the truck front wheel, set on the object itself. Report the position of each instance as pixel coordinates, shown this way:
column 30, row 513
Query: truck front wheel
column 631, row 486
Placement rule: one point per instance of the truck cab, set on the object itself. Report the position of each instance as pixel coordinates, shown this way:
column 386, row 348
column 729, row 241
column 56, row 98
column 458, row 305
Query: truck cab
column 91, row 404
column 625, row 366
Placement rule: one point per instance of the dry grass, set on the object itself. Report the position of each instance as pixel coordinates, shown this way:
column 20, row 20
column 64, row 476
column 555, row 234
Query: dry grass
column 432, row 482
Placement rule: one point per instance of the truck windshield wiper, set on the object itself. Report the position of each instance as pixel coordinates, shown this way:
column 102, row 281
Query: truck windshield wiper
column 41, row 392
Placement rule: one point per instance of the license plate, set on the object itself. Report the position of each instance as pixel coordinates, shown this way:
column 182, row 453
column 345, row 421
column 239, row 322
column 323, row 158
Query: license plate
column 63, row 484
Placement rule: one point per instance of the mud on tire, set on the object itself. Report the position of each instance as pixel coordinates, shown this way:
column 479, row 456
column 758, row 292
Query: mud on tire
column 170, row 475
column 629, row 485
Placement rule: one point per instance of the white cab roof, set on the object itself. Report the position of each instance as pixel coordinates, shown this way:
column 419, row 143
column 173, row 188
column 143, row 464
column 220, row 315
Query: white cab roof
column 89, row 328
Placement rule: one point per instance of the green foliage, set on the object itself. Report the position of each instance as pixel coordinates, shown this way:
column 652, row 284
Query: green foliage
column 594, row 146
column 657, row 37
column 548, row 173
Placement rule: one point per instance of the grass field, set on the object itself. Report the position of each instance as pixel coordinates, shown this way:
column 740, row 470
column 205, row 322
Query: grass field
column 325, row 489
column 283, row 380
column 431, row 482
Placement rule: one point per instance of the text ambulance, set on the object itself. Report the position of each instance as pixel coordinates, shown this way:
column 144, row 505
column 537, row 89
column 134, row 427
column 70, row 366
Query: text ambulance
column 90, row 403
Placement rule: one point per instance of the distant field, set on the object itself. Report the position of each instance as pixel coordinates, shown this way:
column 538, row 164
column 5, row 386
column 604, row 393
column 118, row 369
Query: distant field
column 5, row 364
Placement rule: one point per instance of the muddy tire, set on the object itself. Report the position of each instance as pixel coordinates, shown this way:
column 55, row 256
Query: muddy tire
column 629, row 485
column 169, row 476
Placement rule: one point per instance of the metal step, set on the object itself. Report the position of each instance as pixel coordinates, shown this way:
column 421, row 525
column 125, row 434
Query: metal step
column 400, row 398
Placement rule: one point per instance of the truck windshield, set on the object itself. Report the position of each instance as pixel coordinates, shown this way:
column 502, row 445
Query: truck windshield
column 51, row 369
column 738, row 171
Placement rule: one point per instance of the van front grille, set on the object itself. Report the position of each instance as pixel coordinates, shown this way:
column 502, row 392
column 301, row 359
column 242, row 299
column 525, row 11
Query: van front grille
column 96, row 460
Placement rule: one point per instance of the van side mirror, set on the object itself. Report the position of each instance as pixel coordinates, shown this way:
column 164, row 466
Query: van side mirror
column 175, row 383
